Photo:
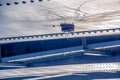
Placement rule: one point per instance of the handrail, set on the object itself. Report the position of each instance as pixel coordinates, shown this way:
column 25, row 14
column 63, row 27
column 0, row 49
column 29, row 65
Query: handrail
column 57, row 34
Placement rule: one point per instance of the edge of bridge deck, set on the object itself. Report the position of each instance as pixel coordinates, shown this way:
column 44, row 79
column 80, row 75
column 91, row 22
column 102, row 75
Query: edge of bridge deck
column 57, row 35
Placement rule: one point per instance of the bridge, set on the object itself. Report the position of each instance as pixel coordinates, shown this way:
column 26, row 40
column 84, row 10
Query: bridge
column 59, row 71
column 25, row 56
column 28, row 49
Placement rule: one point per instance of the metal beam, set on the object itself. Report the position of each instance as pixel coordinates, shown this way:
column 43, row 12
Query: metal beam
column 0, row 54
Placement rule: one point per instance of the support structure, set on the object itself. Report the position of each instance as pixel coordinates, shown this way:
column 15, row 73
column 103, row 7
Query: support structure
column 0, row 55
column 84, row 43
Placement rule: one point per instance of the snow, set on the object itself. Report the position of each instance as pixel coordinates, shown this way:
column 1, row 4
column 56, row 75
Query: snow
column 38, row 18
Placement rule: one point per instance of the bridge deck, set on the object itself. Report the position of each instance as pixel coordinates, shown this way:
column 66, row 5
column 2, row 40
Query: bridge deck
column 57, row 71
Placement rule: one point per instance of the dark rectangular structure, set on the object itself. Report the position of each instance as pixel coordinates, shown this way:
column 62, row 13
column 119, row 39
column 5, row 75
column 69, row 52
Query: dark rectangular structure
column 66, row 27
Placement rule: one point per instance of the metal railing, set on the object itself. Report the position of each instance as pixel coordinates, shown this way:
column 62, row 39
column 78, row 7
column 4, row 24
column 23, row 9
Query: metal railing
column 57, row 35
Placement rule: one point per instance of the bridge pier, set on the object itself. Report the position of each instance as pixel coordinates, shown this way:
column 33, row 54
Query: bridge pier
column 84, row 43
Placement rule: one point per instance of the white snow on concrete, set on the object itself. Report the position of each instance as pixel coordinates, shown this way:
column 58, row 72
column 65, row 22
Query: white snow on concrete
column 38, row 17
